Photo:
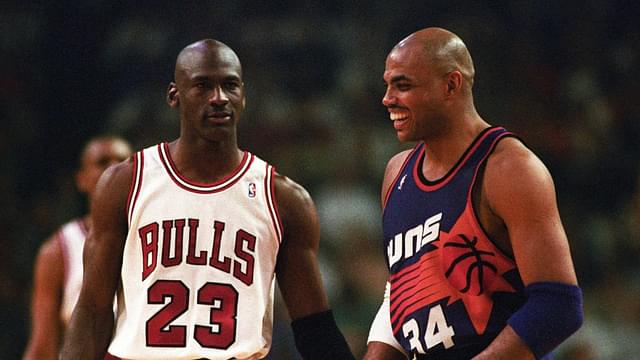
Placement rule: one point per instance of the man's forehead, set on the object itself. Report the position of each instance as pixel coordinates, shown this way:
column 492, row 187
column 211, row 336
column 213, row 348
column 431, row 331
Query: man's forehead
column 398, row 69
column 205, row 54
column 217, row 71
column 198, row 64
column 407, row 61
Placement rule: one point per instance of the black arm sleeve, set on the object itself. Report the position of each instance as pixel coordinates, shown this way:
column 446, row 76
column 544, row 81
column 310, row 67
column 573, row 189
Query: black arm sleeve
column 317, row 337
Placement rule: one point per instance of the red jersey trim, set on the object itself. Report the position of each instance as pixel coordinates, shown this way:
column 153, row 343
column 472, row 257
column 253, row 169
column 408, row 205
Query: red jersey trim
column 202, row 188
column 395, row 180
column 136, row 183
column 272, row 205
column 471, row 209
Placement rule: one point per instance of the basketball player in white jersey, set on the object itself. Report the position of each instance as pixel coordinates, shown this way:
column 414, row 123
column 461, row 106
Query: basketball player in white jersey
column 58, row 268
column 191, row 235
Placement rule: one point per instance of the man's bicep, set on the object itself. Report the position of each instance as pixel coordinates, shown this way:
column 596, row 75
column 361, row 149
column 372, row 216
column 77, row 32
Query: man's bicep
column 297, row 269
column 46, row 301
column 48, row 278
column 523, row 196
column 103, row 248
column 300, row 283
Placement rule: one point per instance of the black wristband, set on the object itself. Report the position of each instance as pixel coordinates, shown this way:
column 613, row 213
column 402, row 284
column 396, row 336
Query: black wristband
column 317, row 337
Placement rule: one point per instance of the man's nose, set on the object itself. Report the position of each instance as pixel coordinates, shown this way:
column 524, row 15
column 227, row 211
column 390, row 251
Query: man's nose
column 218, row 96
column 389, row 98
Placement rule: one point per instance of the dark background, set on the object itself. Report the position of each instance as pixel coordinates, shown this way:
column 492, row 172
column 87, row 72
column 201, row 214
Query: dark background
column 562, row 74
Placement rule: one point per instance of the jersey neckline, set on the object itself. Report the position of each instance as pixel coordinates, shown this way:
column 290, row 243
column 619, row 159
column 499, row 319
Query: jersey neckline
column 430, row 185
column 198, row 187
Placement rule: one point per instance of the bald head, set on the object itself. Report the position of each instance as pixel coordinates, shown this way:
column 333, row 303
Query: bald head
column 209, row 51
column 441, row 49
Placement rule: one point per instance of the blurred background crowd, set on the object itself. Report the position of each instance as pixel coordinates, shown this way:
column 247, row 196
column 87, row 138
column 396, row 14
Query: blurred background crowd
column 562, row 74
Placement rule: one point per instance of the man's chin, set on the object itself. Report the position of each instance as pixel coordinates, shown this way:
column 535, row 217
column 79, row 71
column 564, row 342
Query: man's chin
column 404, row 136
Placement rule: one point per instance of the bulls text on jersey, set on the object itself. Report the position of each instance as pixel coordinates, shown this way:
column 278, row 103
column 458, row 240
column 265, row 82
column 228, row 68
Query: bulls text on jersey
column 171, row 233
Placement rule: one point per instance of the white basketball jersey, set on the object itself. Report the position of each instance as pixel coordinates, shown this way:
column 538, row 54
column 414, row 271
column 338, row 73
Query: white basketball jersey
column 198, row 263
column 71, row 237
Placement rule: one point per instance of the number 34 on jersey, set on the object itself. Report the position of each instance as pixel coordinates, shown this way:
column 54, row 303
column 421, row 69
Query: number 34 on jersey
column 437, row 331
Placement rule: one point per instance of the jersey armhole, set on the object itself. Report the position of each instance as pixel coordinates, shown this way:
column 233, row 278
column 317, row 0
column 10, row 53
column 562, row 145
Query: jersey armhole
column 479, row 173
column 395, row 179
column 269, row 186
column 136, row 184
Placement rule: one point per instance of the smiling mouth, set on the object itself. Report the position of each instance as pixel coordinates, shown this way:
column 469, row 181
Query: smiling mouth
column 399, row 118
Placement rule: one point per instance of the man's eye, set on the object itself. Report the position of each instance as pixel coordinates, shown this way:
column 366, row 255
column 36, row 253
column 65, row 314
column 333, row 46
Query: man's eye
column 231, row 85
column 403, row 86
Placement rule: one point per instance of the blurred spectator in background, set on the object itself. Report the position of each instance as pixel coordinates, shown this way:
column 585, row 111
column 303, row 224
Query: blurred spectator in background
column 58, row 267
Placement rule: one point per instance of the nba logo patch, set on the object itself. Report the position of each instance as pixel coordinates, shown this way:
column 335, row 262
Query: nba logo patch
column 252, row 190
column 402, row 181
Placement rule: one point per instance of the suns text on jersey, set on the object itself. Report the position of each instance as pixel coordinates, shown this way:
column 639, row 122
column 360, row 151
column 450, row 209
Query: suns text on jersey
column 171, row 234
column 411, row 241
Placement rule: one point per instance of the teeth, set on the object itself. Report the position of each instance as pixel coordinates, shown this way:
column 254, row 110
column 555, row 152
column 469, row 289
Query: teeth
column 398, row 116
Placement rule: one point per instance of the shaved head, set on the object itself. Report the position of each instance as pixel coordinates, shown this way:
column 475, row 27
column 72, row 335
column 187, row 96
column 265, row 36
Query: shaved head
column 207, row 50
column 208, row 91
column 442, row 49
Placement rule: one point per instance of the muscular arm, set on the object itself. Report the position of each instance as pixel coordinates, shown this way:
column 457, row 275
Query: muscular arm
column 519, row 190
column 297, row 268
column 46, row 301
column 315, row 331
column 378, row 350
column 91, row 324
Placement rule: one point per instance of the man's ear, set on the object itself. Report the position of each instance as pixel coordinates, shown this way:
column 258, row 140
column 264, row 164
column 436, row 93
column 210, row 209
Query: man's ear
column 454, row 81
column 173, row 96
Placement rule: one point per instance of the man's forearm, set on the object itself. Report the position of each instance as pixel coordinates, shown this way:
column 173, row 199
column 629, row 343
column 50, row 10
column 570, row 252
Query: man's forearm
column 507, row 345
column 89, row 333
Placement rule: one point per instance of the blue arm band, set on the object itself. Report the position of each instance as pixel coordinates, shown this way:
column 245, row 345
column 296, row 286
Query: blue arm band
column 317, row 337
column 552, row 313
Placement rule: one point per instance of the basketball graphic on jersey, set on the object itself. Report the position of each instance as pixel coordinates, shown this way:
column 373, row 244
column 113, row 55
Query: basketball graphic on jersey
column 468, row 268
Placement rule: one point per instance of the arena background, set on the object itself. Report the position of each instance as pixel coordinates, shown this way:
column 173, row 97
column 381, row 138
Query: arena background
column 562, row 74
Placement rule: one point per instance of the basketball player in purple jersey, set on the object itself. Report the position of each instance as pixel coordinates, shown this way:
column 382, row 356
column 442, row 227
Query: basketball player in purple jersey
column 58, row 268
column 190, row 235
column 479, row 262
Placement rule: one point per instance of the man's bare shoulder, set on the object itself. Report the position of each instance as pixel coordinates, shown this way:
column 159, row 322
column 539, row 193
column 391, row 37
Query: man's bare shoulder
column 117, row 176
column 512, row 159
column 113, row 189
column 290, row 194
column 50, row 252
column 514, row 172
column 397, row 160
